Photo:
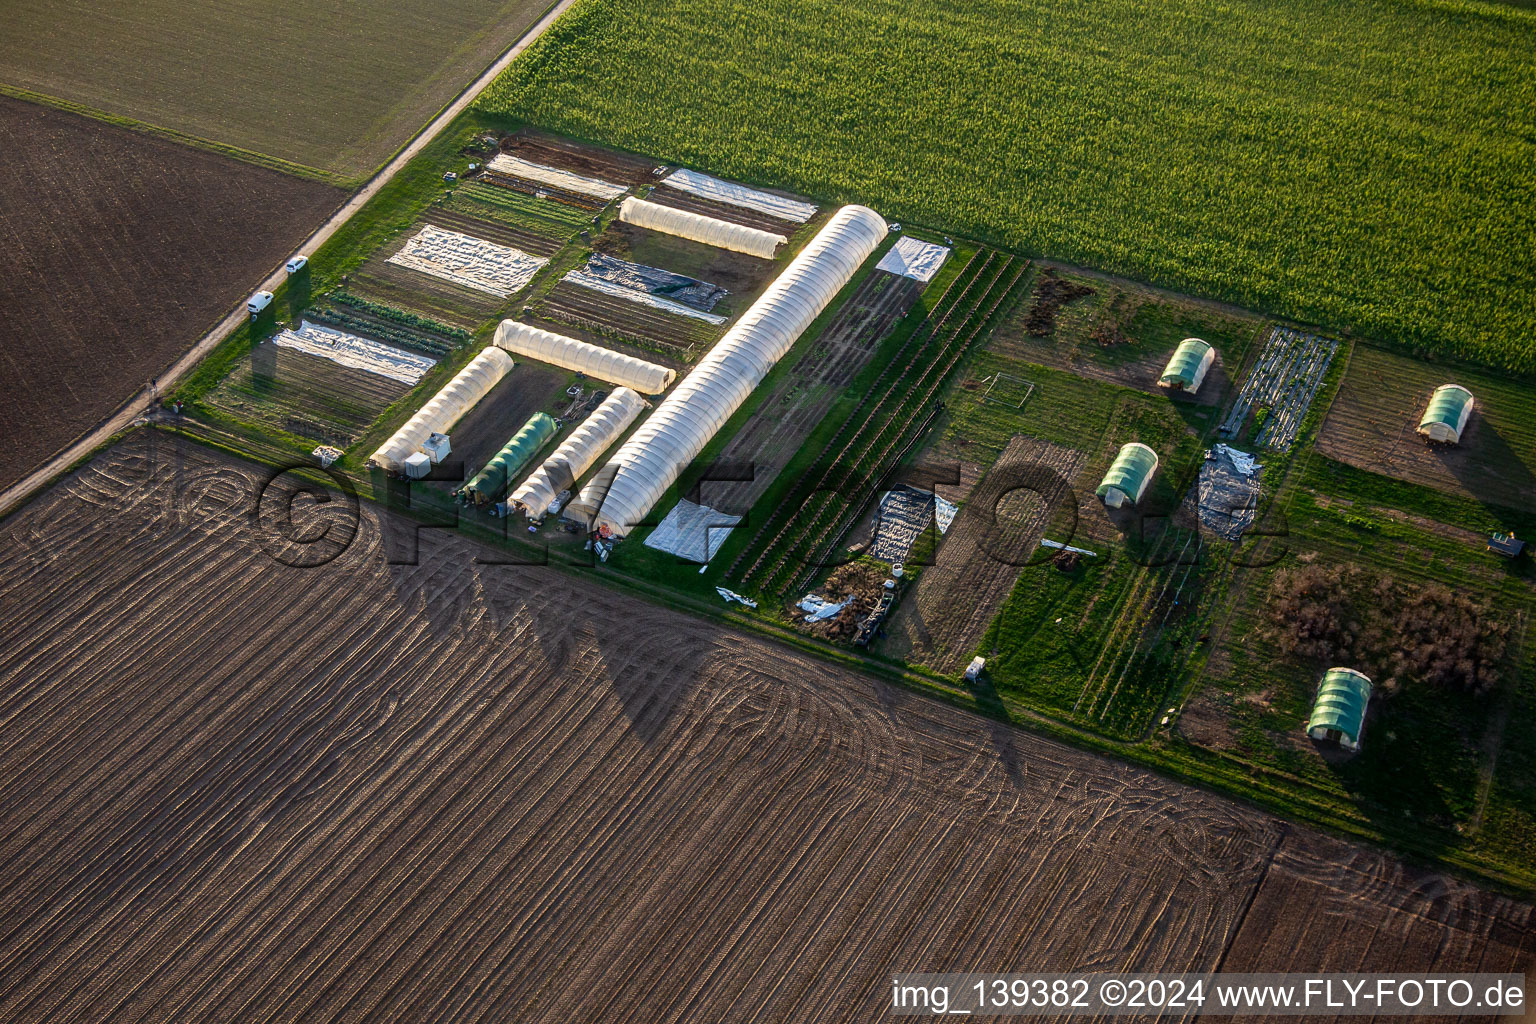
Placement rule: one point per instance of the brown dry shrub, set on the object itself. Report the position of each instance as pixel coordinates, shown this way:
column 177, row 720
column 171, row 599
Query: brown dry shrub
column 1396, row 634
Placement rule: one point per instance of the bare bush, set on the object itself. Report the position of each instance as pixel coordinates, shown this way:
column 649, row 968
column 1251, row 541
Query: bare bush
column 1397, row 634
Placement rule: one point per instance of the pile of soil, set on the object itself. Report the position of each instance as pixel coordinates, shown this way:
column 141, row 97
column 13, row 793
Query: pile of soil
column 1066, row 561
column 861, row 579
column 1110, row 335
column 1051, row 293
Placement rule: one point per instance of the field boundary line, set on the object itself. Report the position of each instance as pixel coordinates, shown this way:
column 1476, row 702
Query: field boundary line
column 249, row 156
column 139, row 404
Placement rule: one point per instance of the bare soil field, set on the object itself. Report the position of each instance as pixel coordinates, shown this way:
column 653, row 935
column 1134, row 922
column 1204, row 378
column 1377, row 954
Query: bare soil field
column 581, row 157
column 979, row 560
column 1312, row 899
column 304, row 394
column 334, row 85
column 1145, row 325
column 612, row 317
column 529, row 388
column 120, row 250
column 1373, row 422
column 237, row 788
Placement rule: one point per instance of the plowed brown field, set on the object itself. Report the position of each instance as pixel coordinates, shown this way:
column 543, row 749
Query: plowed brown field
column 236, row 790
column 994, row 537
column 117, row 250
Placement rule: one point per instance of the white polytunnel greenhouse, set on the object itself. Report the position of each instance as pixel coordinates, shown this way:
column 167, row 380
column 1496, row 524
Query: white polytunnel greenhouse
column 592, row 360
column 456, row 398
column 709, row 230
column 578, row 452
column 656, row 454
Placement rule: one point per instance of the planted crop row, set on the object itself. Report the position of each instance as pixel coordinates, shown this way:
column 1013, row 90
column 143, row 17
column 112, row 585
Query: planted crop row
column 382, row 331
column 1362, row 167
column 546, row 210
column 399, row 316
column 887, row 442
column 768, row 538
column 876, row 434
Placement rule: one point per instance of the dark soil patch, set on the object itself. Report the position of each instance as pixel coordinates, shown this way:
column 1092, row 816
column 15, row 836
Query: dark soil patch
column 1051, row 293
column 528, row 389
column 571, row 155
column 120, row 250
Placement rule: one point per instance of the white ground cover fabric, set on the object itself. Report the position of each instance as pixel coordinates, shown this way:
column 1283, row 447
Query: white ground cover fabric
column 570, row 181
column 911, row 257
column 692, row 532
column 471, row 262
column 357, row 353
column 630, row 484
column 710, row 187
column 598, row 284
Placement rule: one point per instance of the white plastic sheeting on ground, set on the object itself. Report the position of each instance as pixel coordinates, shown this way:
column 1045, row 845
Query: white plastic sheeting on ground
column 709, row 187
column 1059, row 546
column 471, row 262
column 731, row 595
column 456, row 398
column 944, row 513
column 618, row 291
column 349, row 350
column 709, row 230
column 651, row 460
column 570, row 181
column 690, row 291
column 593, row 360
column 577, row 453
column 818, row 608
column 1243, row 462
column 914, row 258
column 692, row 532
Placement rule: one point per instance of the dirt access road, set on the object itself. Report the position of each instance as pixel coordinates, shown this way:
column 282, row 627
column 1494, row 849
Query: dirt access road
column 141, row 401
column 236, row 789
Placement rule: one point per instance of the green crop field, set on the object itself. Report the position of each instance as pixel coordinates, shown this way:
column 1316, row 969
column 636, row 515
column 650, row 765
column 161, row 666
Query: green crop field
column 329, row 85
column 1361, row 166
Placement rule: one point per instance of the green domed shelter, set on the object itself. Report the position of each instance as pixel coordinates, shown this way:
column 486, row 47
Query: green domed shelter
column 492, row 482
column 1187, row 366
column 1128, row 475
column 1338, row 714
column 1446, row 415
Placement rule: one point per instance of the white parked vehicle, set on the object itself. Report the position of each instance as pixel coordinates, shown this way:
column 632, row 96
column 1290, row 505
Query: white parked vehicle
column 259, row 302
column 297, row 264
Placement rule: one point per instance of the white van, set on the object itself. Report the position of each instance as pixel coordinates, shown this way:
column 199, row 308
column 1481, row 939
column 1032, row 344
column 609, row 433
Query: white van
column 259, row 302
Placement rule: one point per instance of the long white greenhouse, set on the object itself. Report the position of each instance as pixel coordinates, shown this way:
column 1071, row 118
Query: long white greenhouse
column 709, row 230
column 578, row 452
column 456, row 398
column 651, row 460
column 593, row 360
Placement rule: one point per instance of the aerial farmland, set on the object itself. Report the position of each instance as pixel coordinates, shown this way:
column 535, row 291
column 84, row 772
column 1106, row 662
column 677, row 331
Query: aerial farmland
column 133, row 245
column 738, row 511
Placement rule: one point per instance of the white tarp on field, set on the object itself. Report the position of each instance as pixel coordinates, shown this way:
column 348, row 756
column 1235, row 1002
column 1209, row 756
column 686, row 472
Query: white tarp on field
column 912, row 258
column 692, row 532
column 471, row 262
column 357, row 353
column 598, row 284
column 517, row 167
column 709, row 187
